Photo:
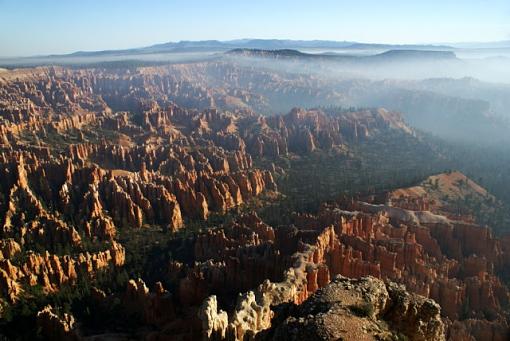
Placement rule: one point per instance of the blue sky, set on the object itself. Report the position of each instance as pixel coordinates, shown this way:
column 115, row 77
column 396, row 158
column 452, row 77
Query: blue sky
column 31, row 27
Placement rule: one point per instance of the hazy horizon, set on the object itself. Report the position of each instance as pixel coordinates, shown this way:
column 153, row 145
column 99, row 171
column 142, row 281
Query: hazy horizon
column 38, row 28
column 455, row 44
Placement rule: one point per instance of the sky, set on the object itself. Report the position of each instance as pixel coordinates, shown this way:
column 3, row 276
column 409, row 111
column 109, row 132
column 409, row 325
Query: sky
column 40, row 27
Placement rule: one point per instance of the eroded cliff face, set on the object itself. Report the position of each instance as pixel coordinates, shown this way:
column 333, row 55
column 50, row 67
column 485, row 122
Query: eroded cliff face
column 77, row 171
column 439, row 260
column 89, row 156
column 50, row 271
column 353, row 244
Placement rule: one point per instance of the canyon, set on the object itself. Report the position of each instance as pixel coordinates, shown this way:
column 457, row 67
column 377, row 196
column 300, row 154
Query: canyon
column 137, row 202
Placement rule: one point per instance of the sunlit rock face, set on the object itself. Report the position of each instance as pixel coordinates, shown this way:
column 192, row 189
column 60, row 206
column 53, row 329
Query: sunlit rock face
column 90, row 158
column 461, row 276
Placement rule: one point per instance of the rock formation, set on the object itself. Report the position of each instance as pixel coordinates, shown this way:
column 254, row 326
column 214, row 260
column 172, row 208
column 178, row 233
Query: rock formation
column 90, row 158
column 363, row 309
column 57, row 328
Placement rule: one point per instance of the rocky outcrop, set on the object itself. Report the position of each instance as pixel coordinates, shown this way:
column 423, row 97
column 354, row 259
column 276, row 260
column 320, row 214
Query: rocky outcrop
column 214, row 321
column 157, row 307
column 51, row 272
column 363, row 309
column 9, row 248
column 55, row 327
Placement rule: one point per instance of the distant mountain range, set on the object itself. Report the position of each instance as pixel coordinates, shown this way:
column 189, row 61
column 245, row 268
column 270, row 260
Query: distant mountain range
column 264, row 44
column 189, row 51
column 278, row 44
